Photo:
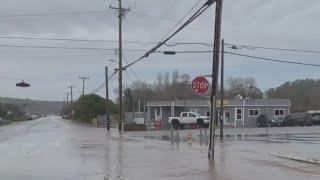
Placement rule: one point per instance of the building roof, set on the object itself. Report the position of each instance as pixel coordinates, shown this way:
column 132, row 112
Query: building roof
column 229, row 102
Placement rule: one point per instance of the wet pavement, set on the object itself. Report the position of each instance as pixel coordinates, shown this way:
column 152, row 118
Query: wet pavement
column 52, row 148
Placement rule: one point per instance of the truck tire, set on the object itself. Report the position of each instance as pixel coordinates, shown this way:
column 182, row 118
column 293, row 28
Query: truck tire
column 200, row 123
column 175, row 124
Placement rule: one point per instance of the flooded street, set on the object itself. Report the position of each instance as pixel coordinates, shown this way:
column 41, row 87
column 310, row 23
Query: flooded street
column 51, row 148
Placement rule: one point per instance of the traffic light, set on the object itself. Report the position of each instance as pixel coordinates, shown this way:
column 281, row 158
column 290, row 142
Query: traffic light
column 23, row 84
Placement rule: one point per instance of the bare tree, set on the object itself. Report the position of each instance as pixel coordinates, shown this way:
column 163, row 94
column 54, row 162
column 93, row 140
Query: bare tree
column 185, row 78
column 246, row 87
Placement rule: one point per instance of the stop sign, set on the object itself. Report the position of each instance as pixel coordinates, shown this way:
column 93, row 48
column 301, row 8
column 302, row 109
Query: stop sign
column 200, row 85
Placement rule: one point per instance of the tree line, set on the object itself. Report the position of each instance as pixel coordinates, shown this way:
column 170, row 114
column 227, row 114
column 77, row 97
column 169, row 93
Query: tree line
column 178, row 86
column 304, row 94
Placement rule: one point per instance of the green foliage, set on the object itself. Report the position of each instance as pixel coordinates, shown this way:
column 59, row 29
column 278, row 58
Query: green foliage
column 16, row 112
column 2, row 110
column 304, row 94
column 90, row 106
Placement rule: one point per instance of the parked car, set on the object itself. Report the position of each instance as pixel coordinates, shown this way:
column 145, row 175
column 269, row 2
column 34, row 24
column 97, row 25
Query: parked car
column 315, row 116
column 189, row 118
column 298, row 119
column 276, row 121
column 264, row 121
column 4, row 121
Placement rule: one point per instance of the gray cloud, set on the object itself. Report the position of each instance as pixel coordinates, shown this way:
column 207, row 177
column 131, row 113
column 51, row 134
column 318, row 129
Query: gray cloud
column 285, row 23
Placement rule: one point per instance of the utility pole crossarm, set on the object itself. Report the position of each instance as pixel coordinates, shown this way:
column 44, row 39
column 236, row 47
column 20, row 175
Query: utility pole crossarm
column 83, row 81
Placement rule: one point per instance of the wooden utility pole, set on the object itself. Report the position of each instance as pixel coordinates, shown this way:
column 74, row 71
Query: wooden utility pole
column 222, row 90
column 64, row 106
column 122, row 12
column 71, row 99
column 83, row 80
column 107, row 99
column 215, row 69
column 67, row 103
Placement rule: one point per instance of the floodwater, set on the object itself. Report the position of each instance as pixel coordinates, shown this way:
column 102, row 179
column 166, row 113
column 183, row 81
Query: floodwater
column 52, row 148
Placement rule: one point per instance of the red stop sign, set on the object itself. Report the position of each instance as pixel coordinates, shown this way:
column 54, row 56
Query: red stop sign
column 200, row 85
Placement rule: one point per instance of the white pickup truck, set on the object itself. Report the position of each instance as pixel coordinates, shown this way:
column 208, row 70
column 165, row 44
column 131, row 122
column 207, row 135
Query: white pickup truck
column 189, row 118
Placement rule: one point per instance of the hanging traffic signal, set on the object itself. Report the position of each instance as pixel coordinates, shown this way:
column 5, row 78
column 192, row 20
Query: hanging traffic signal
column 23, row 84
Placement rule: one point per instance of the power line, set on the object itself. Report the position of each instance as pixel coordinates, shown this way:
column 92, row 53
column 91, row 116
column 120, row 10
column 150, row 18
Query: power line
column 188, row 43
column 70, row 39
column 112, row 77
column 6, row 77
column 52, row 14
column 68, row 48
column 192, row 18
column 274, row 60
column 176, row 25
column 102, row 85
column 241, row 46
column 244, row 55
column 133, row 72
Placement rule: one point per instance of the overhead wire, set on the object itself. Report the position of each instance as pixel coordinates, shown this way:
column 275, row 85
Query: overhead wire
column 131, row 69
column 228, row 45
column 274, row 60
column 181, row 20
column 102, row 85
column 249, row 56
column 70, row 39
column 52, row 14
column 192, row 18
column 68, row 48
column 241, row 46
column 6, row 77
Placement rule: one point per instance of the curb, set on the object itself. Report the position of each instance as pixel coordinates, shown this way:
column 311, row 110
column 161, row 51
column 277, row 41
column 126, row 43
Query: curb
column 295, row 158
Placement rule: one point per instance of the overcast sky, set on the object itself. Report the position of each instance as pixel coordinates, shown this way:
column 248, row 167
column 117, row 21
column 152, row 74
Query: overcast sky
column 273, row 23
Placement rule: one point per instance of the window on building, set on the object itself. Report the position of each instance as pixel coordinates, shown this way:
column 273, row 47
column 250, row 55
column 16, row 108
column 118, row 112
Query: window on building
column 239, row 114
column 279, row 112
column 254, row 112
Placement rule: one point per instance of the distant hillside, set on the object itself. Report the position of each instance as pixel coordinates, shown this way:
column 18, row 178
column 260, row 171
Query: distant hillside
column 304, row 94
column 31, row 106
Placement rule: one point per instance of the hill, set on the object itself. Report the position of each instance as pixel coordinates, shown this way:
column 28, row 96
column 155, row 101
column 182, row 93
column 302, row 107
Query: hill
column 304, row 94
column 34, row 106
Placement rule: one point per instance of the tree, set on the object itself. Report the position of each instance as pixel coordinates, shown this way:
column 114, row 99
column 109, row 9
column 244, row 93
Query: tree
column 246, row 87
column 185, row 78
column 175, row 77
column 2, row 110
column 304, row 94
column 128, row 100
column 90, row 106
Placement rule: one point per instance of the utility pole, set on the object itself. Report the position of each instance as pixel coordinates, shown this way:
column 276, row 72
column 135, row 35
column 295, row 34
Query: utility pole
column 64, row 106
column 122, row 12
column 215, row 68
column 107, row 99
column 71, row 99
column 67, row 103
column 222, row 90
column 83, row 80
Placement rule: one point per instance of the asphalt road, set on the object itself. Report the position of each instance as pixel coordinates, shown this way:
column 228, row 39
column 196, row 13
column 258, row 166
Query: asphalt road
column 52, row 148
